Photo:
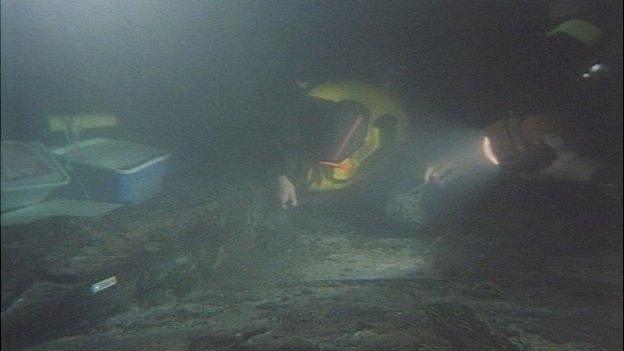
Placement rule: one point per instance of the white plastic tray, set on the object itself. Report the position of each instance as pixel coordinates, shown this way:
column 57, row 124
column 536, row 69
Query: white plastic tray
column 117, row 155
column 29, row 174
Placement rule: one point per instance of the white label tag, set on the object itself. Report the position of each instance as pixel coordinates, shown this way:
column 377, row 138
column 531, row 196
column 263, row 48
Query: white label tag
column 104, row 284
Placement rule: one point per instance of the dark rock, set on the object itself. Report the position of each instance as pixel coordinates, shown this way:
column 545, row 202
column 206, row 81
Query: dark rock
column 459, row 325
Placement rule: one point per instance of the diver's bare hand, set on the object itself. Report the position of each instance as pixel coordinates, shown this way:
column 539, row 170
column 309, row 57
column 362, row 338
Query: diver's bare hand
column 287, row 193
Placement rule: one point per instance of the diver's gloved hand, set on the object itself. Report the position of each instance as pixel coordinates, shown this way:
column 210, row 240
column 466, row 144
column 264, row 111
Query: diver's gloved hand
column 286, row 191
column 568, row 165
column 445, row 171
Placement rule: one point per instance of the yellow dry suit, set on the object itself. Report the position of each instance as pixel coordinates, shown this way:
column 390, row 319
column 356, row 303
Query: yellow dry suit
column 583, row 31
column 327, row 175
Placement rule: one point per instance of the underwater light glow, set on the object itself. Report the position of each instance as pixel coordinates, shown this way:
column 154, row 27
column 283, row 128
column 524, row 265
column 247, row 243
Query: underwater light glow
column 488, row 152
column 597, row 68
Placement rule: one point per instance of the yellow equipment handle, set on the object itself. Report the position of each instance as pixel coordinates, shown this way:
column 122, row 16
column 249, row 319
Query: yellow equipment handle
column 80, row 122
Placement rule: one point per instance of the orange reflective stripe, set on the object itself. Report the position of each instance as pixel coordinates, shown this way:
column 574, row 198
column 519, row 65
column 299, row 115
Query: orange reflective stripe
column 348, row 136
column 334, row 164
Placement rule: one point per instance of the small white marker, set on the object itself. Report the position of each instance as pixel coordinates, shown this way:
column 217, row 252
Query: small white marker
column 104, row 284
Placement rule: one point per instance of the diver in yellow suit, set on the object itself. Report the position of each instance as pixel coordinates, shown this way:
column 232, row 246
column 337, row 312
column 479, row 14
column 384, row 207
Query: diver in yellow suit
column 344, row 131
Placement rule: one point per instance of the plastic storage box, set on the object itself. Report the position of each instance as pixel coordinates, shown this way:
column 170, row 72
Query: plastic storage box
column 114, row 171
column 29, row 174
